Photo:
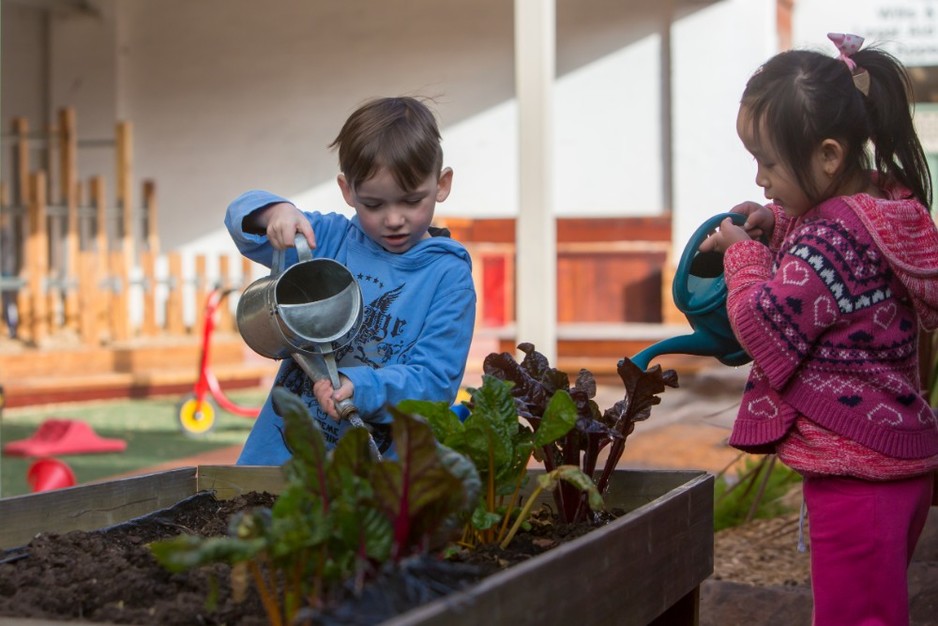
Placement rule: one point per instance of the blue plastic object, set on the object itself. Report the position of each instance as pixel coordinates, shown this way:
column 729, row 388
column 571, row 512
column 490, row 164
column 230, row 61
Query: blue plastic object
column 699, row 291
column 461, row 411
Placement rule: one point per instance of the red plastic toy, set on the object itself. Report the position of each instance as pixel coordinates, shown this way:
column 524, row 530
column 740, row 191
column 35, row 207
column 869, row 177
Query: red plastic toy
column 197, row 411
column 48, row 474
column 63, row 436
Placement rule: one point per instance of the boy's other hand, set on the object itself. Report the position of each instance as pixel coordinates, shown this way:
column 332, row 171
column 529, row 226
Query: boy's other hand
column 328, row 397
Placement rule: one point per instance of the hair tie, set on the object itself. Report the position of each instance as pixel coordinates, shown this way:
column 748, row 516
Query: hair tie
column 849, row 45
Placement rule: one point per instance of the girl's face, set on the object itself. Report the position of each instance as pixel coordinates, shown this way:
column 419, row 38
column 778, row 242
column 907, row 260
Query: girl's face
column 776, row 178
column 393, row 217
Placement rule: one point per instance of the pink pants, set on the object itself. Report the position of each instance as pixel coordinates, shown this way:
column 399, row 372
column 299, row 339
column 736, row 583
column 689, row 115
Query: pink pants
column 862, row 537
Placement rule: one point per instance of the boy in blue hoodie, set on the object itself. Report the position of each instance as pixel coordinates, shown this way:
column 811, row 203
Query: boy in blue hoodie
column 416, row 282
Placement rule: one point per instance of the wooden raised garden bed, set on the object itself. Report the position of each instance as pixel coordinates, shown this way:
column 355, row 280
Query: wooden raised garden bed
column 645, row 567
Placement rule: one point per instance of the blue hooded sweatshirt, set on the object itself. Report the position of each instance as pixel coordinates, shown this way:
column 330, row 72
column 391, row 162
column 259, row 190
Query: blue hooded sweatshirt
column 419, row 314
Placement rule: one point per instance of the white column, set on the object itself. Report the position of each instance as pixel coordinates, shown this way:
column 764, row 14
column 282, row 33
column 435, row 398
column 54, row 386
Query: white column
column 535, row 235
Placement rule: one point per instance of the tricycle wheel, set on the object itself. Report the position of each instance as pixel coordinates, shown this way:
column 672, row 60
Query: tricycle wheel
column 196, row 418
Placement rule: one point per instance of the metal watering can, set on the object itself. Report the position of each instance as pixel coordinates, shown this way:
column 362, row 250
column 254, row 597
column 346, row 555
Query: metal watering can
column 699, row 291
column 306, row 312
column 314, row 306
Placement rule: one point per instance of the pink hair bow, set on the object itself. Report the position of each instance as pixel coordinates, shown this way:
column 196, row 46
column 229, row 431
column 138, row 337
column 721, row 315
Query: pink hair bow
column 848, row 45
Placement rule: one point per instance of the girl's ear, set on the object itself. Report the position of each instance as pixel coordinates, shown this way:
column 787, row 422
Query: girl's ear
column 831, row 153
column 444, row 184
column 346, row 190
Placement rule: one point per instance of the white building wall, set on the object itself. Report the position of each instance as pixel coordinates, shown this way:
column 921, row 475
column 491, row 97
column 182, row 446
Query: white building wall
column 226, row 95
column 715, row 51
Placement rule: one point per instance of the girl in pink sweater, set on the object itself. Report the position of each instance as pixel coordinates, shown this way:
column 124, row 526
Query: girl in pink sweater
column 828, row 286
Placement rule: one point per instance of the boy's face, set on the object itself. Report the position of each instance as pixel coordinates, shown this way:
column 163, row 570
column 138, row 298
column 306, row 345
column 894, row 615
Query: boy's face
column 396, row 219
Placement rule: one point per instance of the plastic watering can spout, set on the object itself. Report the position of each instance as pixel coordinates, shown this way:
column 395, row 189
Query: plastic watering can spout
column 699, row 292
column 697, row 343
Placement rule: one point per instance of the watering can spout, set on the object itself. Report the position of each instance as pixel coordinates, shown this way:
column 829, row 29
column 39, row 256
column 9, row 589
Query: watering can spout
column 699, row 291
column 698, row 344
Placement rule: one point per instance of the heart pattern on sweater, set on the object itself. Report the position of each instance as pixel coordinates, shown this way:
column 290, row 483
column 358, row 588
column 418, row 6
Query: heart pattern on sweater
column 850, row 400
column 927, row 415
column 884, row 315
column 763, row 407
column 794, row 274
column 907, row 399
column 882, row 414
column 825, row 313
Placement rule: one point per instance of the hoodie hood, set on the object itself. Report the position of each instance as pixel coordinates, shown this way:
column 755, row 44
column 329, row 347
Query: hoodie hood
column 906, row 234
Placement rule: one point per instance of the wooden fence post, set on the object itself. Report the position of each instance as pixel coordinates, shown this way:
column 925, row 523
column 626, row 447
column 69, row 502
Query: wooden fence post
column 68, row 156
column 124, row 159
column 152, row 234
column 225, row 317
column 98, row 199
column 175, row 322
column 120, row 286
column 247, row 272
column 89, row 298
column 6, row 221
column 148, row 265
column 37, row 255
column 201, row 290
column 21, row 161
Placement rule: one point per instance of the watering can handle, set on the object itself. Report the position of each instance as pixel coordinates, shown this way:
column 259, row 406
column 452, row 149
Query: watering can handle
column 703, row 231
column 279, row 260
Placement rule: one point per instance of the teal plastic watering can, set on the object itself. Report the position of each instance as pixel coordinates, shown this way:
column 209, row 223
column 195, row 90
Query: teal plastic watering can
column 699, row 292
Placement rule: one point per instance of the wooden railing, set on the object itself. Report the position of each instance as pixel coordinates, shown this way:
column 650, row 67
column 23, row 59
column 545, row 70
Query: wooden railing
column 74, row 261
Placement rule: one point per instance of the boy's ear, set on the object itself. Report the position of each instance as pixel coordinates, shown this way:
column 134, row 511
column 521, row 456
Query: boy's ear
column 832, row 154
column 346, row 189
column 444, row 184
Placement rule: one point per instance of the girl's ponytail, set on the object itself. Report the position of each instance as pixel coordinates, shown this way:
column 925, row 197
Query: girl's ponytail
column 898, row 154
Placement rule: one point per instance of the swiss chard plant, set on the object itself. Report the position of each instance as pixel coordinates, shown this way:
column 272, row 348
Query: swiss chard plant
column 501, row 446
column 534, row 386
column 340, row 516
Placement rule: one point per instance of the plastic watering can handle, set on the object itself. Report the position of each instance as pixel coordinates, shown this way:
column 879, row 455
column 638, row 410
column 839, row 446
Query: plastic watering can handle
column 680, row 291
column 279, row 260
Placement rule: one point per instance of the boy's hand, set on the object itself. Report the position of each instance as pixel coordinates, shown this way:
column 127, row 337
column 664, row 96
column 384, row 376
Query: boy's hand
column 282, row 221
column 328, row 397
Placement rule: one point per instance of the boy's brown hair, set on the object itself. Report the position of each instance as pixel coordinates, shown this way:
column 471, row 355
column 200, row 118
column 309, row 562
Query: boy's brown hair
column 398, row 133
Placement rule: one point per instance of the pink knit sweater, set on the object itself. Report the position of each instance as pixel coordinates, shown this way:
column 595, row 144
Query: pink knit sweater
column 831, row 320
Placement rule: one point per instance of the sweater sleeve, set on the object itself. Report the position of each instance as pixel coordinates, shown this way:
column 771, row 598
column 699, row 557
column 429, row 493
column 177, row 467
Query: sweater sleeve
column 252, row 245
column 778, row 317
column 783, row 224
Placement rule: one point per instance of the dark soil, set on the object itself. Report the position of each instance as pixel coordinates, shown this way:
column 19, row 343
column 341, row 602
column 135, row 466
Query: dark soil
column 110, row 575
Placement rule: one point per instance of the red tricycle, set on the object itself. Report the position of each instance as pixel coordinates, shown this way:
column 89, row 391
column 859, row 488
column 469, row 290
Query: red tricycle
column 196, row 412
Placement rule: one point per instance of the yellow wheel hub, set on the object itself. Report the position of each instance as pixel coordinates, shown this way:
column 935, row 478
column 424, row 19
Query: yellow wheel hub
column 197, row 417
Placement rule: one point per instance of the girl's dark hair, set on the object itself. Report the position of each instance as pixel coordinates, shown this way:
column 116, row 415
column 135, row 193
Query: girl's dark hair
column 802, row 97
column 400, row 134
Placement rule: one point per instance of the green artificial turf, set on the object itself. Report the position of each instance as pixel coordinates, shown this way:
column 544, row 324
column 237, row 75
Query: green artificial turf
column 150, row 427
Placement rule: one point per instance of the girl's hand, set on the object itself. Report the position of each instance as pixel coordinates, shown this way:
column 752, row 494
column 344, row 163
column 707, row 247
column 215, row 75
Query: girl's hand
column 282, row 221
column 329, row 397
column 760, row 221
column 728, row 234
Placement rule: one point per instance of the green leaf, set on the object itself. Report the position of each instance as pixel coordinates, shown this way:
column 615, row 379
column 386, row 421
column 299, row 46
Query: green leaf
column 491, row 425
column 188, row 551
column 483, row 519
column 443, row 422
column 575, row 476
column 305, row 440
column 465, row 471
column 416, row 492
column 559, row 418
